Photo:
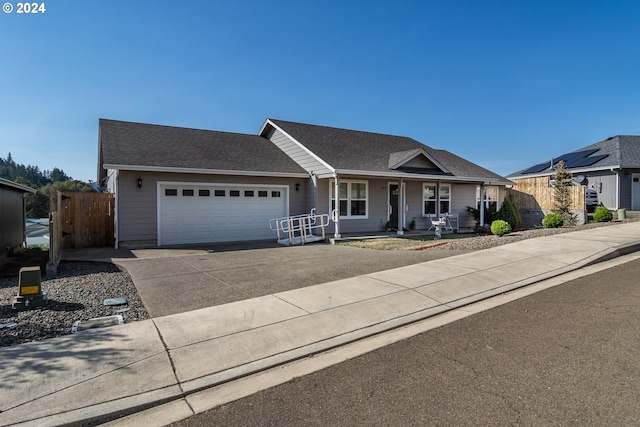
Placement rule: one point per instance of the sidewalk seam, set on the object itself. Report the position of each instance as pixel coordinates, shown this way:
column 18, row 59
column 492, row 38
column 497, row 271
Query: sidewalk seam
column 173, row 367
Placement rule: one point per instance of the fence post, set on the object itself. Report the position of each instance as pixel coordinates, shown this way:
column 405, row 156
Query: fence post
column 55, row 248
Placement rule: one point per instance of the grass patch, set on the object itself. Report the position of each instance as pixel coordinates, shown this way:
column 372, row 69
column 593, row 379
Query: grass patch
column 405, row 243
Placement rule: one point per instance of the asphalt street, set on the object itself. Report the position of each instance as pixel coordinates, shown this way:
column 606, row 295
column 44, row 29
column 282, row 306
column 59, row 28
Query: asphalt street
column 565, row 356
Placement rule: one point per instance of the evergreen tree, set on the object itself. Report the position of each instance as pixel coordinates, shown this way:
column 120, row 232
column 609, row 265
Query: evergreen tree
column 509, row 213
column 563, row 180
column 37, row 205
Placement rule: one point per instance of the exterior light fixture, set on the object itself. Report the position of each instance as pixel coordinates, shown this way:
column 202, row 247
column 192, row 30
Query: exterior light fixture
column 297, row 187
column 139, row 183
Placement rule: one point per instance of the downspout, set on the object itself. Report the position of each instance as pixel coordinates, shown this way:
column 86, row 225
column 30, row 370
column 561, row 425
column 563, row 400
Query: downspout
column 482, row 202
column 336, row 212
column 117, row 208
column 24, row 216
column 401, row 209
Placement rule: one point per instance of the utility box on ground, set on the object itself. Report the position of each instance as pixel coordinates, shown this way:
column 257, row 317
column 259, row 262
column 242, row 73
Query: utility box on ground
column 30, row 293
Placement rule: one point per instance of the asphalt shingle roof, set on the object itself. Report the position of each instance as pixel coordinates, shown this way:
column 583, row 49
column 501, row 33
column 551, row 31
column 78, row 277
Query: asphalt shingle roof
column 139, row 144
column 366, row 151
column 620, row 150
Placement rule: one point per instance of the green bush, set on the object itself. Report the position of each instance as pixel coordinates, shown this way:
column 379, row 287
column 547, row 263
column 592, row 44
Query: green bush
column 509, row 212
column 552, row 220
column 500, row 227
column 602, row 214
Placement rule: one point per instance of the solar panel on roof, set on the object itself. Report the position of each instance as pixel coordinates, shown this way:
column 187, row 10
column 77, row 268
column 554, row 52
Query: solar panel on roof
column 586, row 161
column 575, row 159
column 537, row 168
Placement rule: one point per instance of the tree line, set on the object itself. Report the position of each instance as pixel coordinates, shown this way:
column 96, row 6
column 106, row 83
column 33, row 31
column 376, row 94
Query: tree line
column 44, row 181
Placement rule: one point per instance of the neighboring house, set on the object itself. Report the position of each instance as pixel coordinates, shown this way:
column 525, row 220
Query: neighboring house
column 12, row 215
column 177, row 185
column 611, row 167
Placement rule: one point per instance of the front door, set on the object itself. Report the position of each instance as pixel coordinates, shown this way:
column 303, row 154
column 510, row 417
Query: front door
column 393, row 205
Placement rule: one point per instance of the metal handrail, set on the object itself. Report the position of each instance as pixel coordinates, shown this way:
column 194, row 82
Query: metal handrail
column 299, row 226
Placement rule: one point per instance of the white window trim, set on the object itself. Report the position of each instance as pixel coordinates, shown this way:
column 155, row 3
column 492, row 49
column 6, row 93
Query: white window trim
column 486, row 200
column 450, row 200
column 437, row 199
column 349, row 182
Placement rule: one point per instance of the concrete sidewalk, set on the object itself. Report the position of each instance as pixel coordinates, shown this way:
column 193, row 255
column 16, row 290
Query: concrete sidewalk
column 127, row 368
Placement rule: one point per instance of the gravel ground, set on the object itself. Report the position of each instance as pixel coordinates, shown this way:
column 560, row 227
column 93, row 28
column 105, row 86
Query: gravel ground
column 490, row 241
column 80, row 289
column 77, row 293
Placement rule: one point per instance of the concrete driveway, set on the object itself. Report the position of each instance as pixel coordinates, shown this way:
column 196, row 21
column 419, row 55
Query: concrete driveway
column 180, row 279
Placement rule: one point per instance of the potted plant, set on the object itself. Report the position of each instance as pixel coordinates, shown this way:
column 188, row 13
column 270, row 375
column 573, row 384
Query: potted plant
column 387, row 226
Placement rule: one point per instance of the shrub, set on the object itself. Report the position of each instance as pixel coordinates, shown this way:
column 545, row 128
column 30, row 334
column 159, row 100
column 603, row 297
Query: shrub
column 509, row 212
column 489, row 215
column 552, row 220
column 500, row 227
column 602, row 214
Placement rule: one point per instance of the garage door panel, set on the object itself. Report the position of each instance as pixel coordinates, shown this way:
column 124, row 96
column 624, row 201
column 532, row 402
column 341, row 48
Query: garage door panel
column 214, row 215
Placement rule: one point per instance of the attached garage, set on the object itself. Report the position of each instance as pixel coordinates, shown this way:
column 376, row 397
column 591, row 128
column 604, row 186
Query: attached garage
column 205, row 212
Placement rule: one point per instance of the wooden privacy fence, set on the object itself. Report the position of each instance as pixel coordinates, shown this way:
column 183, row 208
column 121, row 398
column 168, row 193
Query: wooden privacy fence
column 536, row 193
column 86, row 220
column 79, row 220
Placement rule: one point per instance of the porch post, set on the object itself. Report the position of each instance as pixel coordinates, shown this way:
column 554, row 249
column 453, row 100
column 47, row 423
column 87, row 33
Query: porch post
column 482, row 201
column 401, row 208
column 335, row 215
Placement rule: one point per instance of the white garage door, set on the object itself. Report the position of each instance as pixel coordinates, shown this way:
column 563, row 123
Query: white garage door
column 201, row 213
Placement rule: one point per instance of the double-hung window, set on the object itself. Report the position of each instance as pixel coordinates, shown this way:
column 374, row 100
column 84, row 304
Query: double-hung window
column 444, row 195
column 436, row 199
column 490, row 198
column 429, row 194
column 352, row 198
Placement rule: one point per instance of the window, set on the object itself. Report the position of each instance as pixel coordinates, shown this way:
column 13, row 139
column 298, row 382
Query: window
column 234, row 193
column 204, row 193
column 429, row 198
column 436, row 196
column 220, row 193
column 275, row 194
column 187, row 192
column 248, row 193
column 445, row 198
column 263, row 193
column 490, row 198
column 352, row 198
column 170, row 192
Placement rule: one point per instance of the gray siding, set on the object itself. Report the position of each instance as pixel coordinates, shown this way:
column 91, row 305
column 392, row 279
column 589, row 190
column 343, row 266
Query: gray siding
column 138, row 210
column 297, row 153
column 608, row 195
column 462, row 195
column 12, row 219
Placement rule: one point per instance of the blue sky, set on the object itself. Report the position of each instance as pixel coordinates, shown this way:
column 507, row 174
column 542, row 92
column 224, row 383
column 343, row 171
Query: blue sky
column 505, row 84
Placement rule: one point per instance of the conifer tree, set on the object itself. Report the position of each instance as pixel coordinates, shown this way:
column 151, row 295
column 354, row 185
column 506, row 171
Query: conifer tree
column 563, row 180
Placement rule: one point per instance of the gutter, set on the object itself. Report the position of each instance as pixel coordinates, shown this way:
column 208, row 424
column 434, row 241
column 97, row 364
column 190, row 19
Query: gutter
column 449, row 178
column 205, row 171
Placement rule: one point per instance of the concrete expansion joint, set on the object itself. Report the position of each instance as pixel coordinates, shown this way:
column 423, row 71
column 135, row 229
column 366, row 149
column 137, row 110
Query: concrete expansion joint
column 173, row 366
column 292, row 304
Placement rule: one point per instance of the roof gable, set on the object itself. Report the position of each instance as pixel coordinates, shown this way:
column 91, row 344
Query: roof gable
column 366, row 152
column 416, row 159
